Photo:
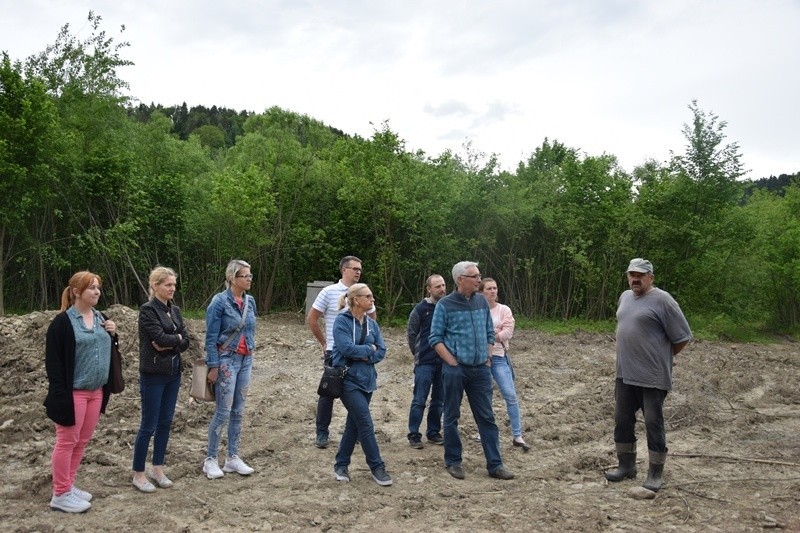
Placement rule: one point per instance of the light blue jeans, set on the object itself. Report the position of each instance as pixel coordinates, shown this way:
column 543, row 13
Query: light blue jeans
column 233, row 383
column 504, row 378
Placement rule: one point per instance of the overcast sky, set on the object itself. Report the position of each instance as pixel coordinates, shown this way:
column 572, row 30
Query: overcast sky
column 603, row 76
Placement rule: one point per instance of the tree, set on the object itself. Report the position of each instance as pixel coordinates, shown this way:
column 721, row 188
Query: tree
column 28, row 135
column 89, row 66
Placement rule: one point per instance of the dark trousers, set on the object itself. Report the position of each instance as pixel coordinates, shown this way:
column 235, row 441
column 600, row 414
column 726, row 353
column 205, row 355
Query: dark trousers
column 358, row 428
column 159, row 395
column 427, row 380
column 476, row 382
column 628, row 400
column 325, row 404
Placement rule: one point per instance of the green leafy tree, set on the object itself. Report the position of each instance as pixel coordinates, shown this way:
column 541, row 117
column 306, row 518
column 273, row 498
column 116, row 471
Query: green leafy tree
column 776, row 255
column 28, row 140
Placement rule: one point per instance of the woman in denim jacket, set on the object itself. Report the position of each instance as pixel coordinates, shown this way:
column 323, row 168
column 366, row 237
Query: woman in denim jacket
column 229, row 343
column 358, row 345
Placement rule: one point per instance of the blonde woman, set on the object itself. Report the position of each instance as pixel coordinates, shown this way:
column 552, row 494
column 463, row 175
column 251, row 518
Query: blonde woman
column 162, row 338
column 230, row 341
column 358, row 345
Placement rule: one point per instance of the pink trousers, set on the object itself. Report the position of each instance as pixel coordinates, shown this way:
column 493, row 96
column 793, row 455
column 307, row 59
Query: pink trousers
column 71, row 440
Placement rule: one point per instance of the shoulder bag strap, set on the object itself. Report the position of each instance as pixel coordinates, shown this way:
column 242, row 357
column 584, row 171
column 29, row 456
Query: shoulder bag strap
column 238, row 328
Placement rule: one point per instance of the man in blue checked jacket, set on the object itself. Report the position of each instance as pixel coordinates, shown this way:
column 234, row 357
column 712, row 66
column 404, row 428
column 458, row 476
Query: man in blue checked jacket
column 462, row 334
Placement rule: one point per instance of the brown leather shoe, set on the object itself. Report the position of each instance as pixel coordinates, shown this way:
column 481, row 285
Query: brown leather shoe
column 502, row 473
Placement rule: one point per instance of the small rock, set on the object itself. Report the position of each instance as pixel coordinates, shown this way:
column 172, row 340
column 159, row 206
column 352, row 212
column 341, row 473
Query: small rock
column 641, row 493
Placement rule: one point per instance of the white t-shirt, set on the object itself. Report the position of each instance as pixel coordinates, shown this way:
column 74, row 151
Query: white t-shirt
column 327, row 303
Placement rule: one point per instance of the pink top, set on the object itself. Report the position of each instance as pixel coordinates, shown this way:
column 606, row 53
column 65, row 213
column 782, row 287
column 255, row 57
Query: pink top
column 503, row 322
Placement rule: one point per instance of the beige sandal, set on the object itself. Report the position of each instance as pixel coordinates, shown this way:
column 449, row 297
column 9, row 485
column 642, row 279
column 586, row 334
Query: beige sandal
column 143, row 485
column 164, row 482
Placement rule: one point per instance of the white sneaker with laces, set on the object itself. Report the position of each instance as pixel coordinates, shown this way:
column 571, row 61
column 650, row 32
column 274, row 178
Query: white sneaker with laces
column 82, row 494
column 211, row 468
column 234, row 463
column 69, row 503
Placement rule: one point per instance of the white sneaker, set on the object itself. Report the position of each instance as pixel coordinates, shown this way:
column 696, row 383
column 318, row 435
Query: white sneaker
column 82, row 494
column 211, row 468
column 234, row 463
column 69, row 503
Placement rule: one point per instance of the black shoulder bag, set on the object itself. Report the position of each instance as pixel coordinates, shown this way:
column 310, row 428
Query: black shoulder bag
column 330, row 385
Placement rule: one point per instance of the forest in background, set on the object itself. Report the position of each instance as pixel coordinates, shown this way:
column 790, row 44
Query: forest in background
column 91, row 179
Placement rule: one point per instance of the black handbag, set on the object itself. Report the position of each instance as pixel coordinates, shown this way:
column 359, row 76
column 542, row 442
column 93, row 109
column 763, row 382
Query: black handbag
column 330, row 385
column 116, row 381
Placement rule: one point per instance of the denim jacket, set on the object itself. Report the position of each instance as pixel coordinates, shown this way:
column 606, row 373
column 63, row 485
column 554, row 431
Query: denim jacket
column 222, row 319
column 361, row 358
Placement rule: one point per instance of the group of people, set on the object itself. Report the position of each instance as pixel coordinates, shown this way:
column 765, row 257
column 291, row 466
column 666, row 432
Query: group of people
column 77, row 361
column 454, row 339
column 460, row 343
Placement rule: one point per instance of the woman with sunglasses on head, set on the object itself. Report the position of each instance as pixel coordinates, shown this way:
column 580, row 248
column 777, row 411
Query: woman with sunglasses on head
column 229, row 343
column 502, row 371
column 358, row 345
column 78, row 365
column 162, row 338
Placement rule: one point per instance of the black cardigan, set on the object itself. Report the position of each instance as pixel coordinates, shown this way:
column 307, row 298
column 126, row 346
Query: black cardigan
column 59, row 361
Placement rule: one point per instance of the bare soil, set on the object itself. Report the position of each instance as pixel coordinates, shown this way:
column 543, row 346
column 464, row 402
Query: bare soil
column 732, row 430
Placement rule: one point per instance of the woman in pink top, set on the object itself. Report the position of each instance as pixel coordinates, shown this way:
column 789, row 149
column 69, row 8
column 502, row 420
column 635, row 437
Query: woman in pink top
column 502, row 371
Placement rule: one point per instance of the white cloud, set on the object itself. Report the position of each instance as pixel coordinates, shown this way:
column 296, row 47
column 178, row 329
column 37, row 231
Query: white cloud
column 606, row 77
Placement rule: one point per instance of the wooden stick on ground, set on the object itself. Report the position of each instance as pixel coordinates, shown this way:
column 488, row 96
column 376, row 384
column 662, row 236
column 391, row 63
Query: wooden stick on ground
column 732, row 458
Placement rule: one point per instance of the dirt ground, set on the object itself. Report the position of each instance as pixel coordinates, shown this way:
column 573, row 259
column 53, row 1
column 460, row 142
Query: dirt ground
column 733, row 428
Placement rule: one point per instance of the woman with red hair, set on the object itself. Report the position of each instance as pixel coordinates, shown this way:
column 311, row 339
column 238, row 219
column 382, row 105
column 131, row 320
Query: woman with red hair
column 78, row 364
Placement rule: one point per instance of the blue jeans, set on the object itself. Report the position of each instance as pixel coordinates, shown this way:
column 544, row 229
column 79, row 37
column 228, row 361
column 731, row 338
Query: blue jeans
column 358, row 427
column 427, row 379
column 159, row 395
column 476, row 381
column 501, row 372
column 628, row 400
column 233, row 383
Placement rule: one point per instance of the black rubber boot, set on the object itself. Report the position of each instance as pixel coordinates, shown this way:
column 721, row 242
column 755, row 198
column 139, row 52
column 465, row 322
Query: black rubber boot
column 655, row 471
column 626, row 455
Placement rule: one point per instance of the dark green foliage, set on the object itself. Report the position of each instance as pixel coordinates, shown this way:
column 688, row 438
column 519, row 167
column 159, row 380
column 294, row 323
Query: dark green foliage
column 90, row 181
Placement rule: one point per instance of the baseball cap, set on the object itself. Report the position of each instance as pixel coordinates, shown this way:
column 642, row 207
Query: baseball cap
column 640, row 265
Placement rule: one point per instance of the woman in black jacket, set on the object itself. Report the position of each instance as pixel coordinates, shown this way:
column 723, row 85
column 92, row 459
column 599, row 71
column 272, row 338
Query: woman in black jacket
column 162, row 337
column 78, row 365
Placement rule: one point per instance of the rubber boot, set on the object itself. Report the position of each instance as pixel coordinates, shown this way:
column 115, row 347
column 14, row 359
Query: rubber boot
column 626, row 455
column 655, row 471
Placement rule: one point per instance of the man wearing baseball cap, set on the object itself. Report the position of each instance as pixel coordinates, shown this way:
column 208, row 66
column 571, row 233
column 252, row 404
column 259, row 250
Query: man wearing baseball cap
column 651, row 331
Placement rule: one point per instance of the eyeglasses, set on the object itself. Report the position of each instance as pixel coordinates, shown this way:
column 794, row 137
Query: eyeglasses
column 246, row 276
column 367, row 296
column 355, row 269
column 474, row 276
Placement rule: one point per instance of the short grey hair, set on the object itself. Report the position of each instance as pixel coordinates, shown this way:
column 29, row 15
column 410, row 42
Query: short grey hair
column 232, row 269
column 460, row 269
